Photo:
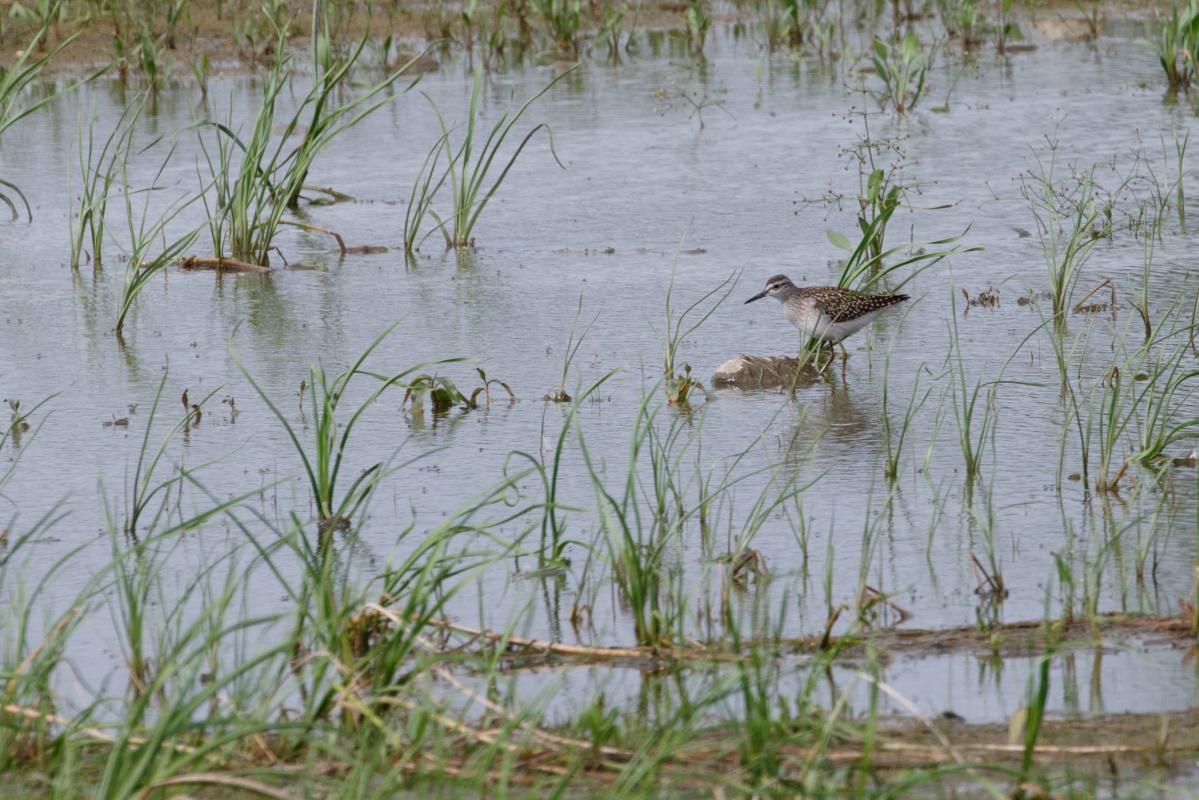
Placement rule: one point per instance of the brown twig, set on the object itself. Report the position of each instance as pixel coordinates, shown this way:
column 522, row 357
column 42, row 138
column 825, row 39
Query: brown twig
column 337, row 196
column 341, row 244
column 556, row 648
column 33, row 654
column 94, row 733
column 1081, row 306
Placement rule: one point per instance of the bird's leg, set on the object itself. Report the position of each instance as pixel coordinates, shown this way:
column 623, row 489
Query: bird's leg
column 824, row 356
column 844, row 354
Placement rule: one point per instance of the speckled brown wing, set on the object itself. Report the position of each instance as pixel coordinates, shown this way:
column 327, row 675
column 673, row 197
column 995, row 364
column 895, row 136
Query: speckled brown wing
column 841, row 305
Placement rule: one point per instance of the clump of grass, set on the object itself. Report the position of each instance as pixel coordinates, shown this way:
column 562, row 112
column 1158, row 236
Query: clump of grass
column 420, row 199
column 150, row 247
column 877, row 204
column 678, row 383
column 331, row 433
column 879, row 163
column 200, row 69
column 560, row 20
column 14, row 106
column 613, row 28
column 903, row 70
column 257, row 34
column 144, row 35
column 467, row 171
column 788, row 23
column 895, row 434
column 1167, row 385
column 98, row 173
column 1031, row 716
column 1137, row 407
column 248, row 207
column 1092, row 14
column 698, row 25
column 34, row 654
column 551, row 550
column 868, row 263
column 638, row 548
column 974, row 408
column 1003, row 28
column 1065, row 226
column 443, row 394
column 16, row 432
column 880, row 195
column 962, row 19
column 147, row 496
column 1177, row 45
column 42, row 14
column 573, row 344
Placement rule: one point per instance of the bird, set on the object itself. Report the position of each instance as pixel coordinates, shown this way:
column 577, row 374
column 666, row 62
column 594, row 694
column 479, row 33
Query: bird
column 827, row 313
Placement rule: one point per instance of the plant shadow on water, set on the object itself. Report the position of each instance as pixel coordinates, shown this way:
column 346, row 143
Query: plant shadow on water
column 571, row 566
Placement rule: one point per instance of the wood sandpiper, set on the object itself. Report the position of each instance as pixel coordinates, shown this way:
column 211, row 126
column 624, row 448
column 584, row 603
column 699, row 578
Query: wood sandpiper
column 827, row 313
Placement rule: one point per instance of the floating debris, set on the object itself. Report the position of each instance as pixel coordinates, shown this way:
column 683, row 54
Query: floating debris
column 220, row 265
column 985, row 299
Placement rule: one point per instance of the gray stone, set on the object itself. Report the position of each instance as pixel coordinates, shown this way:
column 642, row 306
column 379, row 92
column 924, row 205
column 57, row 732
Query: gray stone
column 757, row 372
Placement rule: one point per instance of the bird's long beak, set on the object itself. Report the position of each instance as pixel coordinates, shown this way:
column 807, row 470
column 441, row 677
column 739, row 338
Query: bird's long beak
column 757, row 296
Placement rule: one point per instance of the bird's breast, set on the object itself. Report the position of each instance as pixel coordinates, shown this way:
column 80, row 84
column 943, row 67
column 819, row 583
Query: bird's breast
column 802, row 313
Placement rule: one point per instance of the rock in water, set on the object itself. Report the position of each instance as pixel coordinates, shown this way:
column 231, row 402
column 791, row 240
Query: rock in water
column 756, row 372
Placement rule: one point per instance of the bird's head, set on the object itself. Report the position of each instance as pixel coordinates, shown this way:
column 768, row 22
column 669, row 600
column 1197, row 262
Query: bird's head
column 774, row 287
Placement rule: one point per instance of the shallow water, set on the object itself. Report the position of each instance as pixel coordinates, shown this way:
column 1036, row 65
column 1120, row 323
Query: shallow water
column 644, row 188
column 977, row 688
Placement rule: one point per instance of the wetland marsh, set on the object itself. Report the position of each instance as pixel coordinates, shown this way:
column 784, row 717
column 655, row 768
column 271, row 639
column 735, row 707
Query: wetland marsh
column 448, row 503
